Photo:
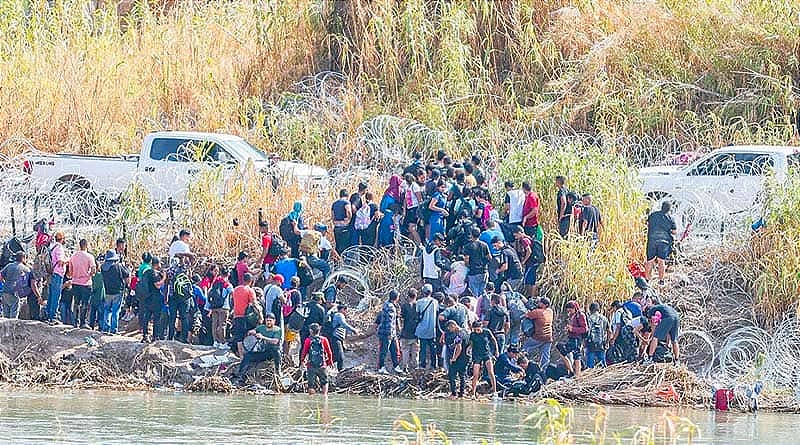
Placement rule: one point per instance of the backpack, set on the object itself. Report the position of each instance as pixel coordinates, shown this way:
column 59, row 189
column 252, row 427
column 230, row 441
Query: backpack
column 316, row 353
column 327, row 325
column 233, row 278
column 277, row 247
column 216, row 298
column 309, row 243
column 597, row 335
column 251, row 314
column 516, row 308
column 286, row 230
column 537, row 252
column 295, row 320
column 363, row 217
column 305, row 274
column 182, row 287
column 23, row 287
column 48, row 262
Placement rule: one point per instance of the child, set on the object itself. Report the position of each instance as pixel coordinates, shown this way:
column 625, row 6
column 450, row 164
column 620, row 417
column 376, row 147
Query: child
column 318, row 352
column 97, row 299
column 65, row 306
column 456, row 359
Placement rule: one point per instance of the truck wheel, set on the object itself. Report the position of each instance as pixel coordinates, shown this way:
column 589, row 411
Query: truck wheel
column 75, row 200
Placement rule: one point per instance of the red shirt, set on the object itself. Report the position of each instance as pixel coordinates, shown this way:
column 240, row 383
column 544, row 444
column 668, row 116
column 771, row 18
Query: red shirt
column 242, row 296
column 531, row 202
column 241, row 269
column 326, row 348
column 266, row 242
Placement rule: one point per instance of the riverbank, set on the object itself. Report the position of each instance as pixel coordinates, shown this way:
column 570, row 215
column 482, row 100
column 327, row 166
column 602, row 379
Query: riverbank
column 36, row 356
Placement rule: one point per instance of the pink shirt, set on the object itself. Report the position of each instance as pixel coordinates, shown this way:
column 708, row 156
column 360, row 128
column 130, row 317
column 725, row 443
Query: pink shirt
column 81, row 265
column 56, row 256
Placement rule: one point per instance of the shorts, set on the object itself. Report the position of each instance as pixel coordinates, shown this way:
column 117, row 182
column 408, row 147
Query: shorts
column 289, row 335
column 480, row 360
column 317, row 377
column 658, row 249
column 666, row 326
column 530, row 275
column 411, row 217
column 571, row 349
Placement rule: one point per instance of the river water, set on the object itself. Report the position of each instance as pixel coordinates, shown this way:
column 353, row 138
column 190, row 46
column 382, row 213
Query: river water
column 169, row 418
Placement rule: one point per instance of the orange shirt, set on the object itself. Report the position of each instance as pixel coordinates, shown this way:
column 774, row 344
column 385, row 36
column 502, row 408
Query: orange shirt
column 242, row 296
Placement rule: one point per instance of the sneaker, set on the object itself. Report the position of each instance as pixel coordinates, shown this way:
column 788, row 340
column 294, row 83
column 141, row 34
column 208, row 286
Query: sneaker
column 647, row 361
column 216, row 345
column 84, row 326
column 399, row 369
column 383, row 371
column 224, row 347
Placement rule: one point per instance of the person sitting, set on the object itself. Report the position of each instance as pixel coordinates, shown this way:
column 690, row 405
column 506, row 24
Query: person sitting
column 507, row 365
column 261, row 344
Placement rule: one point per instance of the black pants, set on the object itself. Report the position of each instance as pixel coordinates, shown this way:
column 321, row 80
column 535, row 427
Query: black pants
column 338, row 352
column 82, row 296
column 457, row 370
column 341, row 235
column 180, row 310
column 250, row 358
column 34, row 310
column 146, row 315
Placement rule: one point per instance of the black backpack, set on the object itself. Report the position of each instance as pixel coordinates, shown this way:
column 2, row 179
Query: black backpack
column 277, row 247
column 316, row 353
column 286, row 230
column 251, row 314
column 182, row 287
column 233, row 278
column 537, row 252
column 216, row 298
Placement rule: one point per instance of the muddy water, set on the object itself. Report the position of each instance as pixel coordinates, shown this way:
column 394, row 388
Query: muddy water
column 156, row 418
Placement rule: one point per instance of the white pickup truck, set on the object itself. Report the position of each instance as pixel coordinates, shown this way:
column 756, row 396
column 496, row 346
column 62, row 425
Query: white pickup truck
column 166, row 165
column 727, row 181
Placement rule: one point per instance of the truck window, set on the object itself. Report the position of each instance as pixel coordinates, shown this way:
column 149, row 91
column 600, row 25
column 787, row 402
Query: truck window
column 754, row 164
column 166, row 149
column 719, row 165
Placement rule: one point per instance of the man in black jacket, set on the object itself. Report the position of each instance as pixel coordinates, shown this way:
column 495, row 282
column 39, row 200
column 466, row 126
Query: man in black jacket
column 315, row 313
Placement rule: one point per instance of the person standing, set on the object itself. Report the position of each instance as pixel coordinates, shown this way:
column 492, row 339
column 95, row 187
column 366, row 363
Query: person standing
column 477, row 257
column 58, row 262
column 341, row 215
column 317, row 350
column 530, row 210
column 413, row 198
column 151, row 301
column 180, row 300
column 434, row 262
column 456, row 357
column 590, row 221
column 180, row 248
column 16, row 278
column 427, row 308
column 356, row 202
column 219, row 301
column 267, row 238
column 315, row 314
column 438, row 212
column 597, row 337
column 82, row 267
column 661, row 231
column 576, row 328
column 540, row 335
column 563, row 209
column 498, row 322
column 243, row 295
column 98, row 299
column 484, row 350
column 387, row 327
column 409, row 343
column 340, row 328
column 514, row 204
column 510, row 269
column 291, row 228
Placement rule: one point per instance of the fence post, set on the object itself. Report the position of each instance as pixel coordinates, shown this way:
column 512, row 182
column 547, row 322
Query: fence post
column 260, row 216
column 171, row 205
column 13, row 223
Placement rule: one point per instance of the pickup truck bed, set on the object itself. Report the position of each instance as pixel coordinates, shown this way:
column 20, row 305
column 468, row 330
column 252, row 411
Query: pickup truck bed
column 68, row 170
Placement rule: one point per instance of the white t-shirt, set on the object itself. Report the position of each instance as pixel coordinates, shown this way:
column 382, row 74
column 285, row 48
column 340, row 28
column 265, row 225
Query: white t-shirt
column 411, row 195
column 516, row 202
column 178, row 247
column 324, row 244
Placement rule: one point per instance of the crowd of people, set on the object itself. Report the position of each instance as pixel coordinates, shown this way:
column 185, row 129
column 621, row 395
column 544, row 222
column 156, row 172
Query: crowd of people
column 477, row 312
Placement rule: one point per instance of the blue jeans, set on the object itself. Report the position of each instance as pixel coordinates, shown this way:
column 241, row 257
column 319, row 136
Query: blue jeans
column 111, row 308
column 594, row 358
column 427, row 349
column 501, row 342
column 10, row 305
column 477, row 284
column 54, row 296
column 388, row 345
column 543, row 348
column 321, row 265
column 96, row 315
column 514, row 333
column 67, row 316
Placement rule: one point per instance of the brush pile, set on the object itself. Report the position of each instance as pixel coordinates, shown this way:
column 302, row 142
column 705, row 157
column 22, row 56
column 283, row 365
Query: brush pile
column 633, row 385
column 419, row 384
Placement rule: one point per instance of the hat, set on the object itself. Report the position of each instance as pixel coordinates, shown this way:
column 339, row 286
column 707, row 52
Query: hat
column 317, row 296
column 572, row 304
column 269, row 315
column 496, row 239
column 319, row 227
column 439, row 237
column 545, row 301
column 616, row 304
column 427, row 289
column 111, row 256
column 278, row 278
column 513, row 349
